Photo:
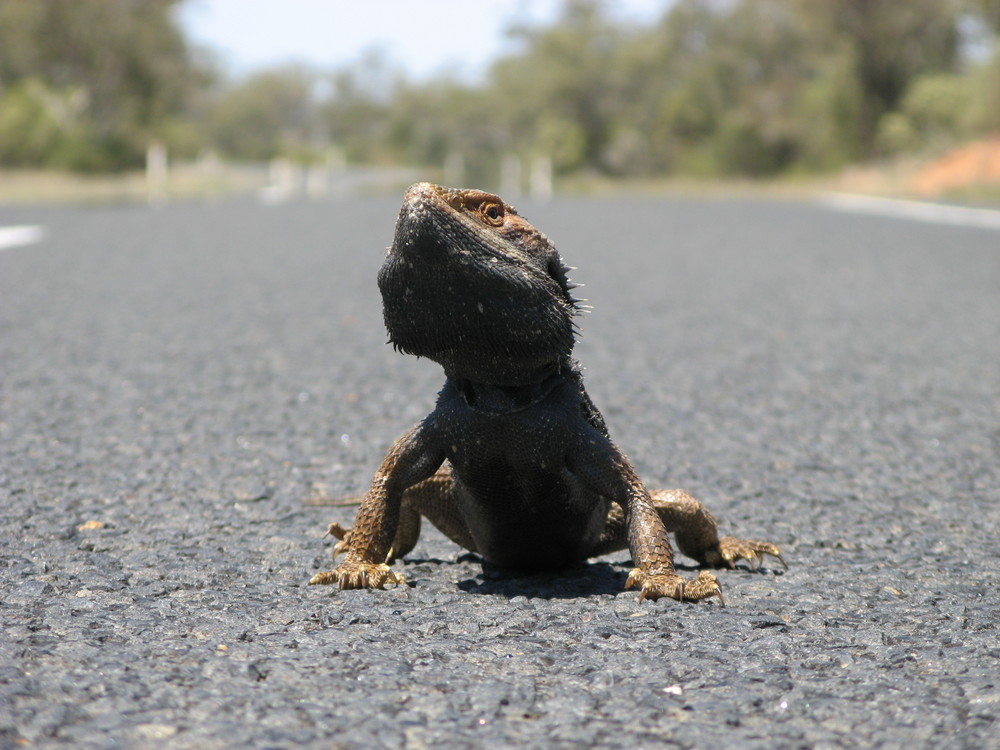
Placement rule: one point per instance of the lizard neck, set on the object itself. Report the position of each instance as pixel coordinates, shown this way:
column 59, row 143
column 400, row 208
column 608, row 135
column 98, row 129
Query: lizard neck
column 494, row 400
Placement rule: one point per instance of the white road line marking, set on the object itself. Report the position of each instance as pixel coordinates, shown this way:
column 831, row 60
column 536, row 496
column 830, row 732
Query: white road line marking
column 21, row 235
column 934, row 213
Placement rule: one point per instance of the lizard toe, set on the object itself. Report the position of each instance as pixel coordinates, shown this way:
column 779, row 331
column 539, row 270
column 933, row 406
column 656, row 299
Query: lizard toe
column 732, row 549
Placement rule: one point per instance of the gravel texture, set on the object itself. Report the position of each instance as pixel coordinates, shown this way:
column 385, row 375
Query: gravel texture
column 175, row 383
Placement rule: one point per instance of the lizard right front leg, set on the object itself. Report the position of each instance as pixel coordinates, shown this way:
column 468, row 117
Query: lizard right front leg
column 410, row 460
column 434, row 499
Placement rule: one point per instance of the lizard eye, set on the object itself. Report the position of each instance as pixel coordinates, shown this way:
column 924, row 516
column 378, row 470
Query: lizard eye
column 493, row 213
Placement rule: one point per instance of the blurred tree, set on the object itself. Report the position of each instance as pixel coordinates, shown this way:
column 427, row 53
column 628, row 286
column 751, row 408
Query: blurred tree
column 124, row 63
column 356, row 113
column 566, row 74
column 984, row 112
column 691, row 91
column 937, row 104
column 271, row 113
column 988, row 11
column 428, row 123
column 34, row 121
column 758, row 55
column 888, row 44
column 714, row 87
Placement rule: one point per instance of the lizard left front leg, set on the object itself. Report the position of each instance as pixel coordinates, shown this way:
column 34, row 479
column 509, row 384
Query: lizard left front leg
column 609, row 473
column 695, row 530
column 649, row 544
column 697, row 536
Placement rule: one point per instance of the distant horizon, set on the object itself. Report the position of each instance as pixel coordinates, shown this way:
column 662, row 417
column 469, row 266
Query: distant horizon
column 424, row 40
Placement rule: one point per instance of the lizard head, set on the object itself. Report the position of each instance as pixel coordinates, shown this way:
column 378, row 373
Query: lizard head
column 473, row 286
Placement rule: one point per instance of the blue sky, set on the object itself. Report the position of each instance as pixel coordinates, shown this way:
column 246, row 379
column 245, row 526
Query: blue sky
column 423, row 37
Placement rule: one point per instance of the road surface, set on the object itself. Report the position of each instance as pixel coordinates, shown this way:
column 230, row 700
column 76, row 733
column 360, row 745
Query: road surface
column 175, row 382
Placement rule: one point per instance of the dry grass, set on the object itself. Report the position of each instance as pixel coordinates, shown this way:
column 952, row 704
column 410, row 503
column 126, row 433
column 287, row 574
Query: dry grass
column 185, row 181
column 896, row 179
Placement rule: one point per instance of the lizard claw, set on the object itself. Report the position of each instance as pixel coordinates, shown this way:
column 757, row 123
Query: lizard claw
column 732, row 549
column 358, row 576
column 654, row 586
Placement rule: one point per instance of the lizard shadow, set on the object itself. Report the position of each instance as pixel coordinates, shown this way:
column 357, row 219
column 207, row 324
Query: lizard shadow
column 588, row 578
column 583, row 579
column 577, row 581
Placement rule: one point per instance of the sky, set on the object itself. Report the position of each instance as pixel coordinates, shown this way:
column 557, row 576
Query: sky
column 422, row 37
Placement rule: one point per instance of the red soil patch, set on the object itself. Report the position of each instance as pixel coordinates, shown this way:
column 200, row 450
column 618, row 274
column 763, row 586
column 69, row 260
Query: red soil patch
column 976, row 163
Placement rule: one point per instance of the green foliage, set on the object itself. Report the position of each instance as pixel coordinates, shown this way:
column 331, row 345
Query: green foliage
column 984, row 110
column 270, row 114
column 713, row 87
column 372, row 118
column 939, row 110
column 30, row 127
column 888, row 44
column 827, row 112
column 938, row 104
column 739, row 147
column 98, row 78
column 747, row 87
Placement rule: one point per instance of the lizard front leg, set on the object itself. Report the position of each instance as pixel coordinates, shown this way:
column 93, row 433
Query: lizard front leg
column 433, row 499
column 411, row 459
column 649, row 544
column 608, row 472
column 696, row 532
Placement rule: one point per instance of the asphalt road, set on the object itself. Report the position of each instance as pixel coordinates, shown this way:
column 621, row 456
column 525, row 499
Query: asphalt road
column 175, row 382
